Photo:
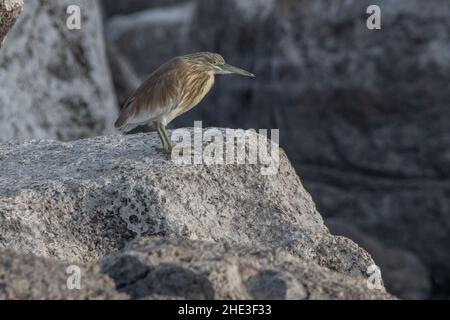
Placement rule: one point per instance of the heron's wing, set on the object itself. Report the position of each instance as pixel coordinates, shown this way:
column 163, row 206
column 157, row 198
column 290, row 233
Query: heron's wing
column 157, row 95
column 125, row 113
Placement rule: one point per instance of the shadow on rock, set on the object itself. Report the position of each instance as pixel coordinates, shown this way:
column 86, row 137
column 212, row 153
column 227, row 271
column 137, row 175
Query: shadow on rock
column 267, row 285
column 166, row 279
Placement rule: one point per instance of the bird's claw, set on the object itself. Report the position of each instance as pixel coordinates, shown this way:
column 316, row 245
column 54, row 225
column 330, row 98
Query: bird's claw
column 165, row 151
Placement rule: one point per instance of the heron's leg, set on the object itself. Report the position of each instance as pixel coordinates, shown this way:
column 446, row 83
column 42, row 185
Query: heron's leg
column 160, row 134
column 164, row 138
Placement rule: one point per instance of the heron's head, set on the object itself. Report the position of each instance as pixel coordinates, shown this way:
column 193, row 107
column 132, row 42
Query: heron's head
column 216, row 63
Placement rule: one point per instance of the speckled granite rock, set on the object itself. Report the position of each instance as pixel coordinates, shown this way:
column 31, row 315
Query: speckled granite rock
column 55, row 82
column 78, row 201
column 186, row 269
column 35, row 278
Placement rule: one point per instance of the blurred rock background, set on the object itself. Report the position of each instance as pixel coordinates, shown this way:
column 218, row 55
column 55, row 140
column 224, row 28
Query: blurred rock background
column 55, row 82
column 362, row 114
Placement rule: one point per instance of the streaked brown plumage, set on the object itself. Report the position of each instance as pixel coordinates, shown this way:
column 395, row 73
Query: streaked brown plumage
column 173, row 89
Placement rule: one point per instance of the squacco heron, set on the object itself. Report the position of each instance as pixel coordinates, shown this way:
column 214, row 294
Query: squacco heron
column 173, row 89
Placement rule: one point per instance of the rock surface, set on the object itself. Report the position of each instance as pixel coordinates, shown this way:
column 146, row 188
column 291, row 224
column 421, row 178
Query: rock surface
column 193, row 269
column 9, row 11
column 79, row 201
column 55, row 82
column 27, row 277
column 363, row 114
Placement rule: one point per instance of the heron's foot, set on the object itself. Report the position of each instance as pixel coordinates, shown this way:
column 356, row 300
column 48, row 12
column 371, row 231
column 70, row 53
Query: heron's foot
column 168, row 151
column 165, row 151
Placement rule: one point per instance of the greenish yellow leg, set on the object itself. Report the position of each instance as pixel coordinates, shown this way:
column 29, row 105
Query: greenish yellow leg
column 161, row 136
column 164, row 138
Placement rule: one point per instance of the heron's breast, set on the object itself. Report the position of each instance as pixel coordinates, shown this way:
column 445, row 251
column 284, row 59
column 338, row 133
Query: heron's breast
column 196, row 93
column 193, row 93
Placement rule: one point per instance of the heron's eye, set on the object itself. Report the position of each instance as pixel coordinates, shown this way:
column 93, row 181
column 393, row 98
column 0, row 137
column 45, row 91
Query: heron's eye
column 217, row 62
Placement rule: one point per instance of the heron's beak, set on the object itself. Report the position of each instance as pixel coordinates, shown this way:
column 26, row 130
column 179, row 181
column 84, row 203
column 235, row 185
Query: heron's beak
column 226, row 68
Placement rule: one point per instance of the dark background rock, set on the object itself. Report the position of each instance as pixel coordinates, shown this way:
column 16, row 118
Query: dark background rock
column 111, row 7
column 363, row 114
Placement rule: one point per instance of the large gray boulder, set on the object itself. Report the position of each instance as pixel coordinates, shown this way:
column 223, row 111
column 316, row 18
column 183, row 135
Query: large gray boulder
column 55, row 82
column 363, row 113
column 9, row 11
column 79, row 201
